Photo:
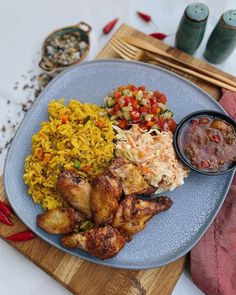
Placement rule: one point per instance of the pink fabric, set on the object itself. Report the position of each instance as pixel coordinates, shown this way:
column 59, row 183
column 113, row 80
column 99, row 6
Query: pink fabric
column 213, row 259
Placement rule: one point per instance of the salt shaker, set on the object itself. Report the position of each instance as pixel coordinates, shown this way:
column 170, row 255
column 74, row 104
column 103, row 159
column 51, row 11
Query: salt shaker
column 222, row 40
column 192, row 27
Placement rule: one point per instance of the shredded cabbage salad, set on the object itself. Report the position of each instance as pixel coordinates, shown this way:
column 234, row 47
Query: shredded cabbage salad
column 154, row 154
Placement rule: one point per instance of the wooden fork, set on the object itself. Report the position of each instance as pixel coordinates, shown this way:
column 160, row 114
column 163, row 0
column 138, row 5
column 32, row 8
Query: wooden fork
column 130, row 52
column 147, row 46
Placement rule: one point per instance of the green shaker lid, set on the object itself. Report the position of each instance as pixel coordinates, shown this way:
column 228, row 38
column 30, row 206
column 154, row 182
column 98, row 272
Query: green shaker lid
column 229, row 18
column 197, row 11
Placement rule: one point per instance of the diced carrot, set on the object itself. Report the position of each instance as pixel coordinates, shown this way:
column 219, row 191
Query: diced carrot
column 100, row 124
column 140, row 154
column 47, row 158
column 86, row 168
column 145, row 170
column 40, row 154
column 150, row 123
column 64, row 118
column 43, row 135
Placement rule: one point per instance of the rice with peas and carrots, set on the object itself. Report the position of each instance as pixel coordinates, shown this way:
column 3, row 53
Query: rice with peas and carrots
column 76, row 137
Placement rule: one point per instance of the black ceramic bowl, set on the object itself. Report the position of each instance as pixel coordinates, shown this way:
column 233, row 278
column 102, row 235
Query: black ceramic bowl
column 181, row 154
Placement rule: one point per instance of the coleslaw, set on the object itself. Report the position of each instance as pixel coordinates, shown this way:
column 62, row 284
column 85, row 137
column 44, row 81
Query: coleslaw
column 154, row 154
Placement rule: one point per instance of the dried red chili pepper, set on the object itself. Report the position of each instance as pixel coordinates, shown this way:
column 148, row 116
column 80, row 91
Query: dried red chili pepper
column 5, row 209
column 147, row 18
column 160, row 36
column 4, row 219
column 21, row 236
column 108, row 27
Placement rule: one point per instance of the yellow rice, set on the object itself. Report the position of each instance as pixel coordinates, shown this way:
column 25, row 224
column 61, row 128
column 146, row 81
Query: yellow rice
column 86, row 136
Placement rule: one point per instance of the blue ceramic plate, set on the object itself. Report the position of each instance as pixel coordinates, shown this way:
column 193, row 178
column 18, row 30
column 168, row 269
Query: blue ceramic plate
column 170, row 234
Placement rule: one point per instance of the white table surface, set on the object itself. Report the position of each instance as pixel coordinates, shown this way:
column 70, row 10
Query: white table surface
column 23, row 26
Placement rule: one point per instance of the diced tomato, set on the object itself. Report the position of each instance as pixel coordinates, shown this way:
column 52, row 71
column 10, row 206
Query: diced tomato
column 143, row 109
column 134, row 102
column 160, row 122
column 215, row 138
column 117, row 95
column 172, row 125
column 154, row 109
column 131, row 87
column 111, row 111
column 123, row 124
column 194, row 122
column 157, row 94
column 146, row 95
column 152, row 101
column 117, row 107
column 127, row 101
column 162, row 99
column 205, row 164
column 143, row 126
column 135, row 115
column 143, row 88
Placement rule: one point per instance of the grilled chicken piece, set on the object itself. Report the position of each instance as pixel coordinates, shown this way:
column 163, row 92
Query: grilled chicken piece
column 75, row 190
column 104, row 242
column 60, row 221
column 133, row 213
column 105, row 194
column 131, row 177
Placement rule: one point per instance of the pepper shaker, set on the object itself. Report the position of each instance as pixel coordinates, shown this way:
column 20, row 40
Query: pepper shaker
column 222, row 40
column 192, row 27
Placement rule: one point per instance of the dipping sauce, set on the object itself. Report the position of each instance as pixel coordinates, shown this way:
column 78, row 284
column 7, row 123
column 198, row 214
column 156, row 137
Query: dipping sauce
column 209, row 143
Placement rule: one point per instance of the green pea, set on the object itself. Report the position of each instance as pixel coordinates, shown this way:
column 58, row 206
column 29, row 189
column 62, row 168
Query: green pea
column 77, row 164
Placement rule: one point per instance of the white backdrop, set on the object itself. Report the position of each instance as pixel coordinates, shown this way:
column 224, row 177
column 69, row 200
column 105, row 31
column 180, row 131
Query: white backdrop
column 23, row 26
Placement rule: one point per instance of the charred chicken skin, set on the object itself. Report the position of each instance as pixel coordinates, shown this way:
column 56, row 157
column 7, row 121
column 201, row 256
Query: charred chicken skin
column 60, row 221
column 133, row 214
column 132, row 181
column 105, row 194
column 104, row 242
column 115, row 223
column 75, row 190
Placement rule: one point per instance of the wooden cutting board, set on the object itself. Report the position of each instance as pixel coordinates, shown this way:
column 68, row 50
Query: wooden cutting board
column 82, row 277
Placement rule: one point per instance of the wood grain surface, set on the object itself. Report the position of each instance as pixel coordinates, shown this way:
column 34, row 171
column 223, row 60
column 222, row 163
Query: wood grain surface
column 82, row 277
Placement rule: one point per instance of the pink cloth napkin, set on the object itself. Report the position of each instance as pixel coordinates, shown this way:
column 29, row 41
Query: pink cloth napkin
column 213, row 259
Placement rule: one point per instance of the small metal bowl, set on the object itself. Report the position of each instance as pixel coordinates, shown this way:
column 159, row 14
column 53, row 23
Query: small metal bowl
column 180, row 153
column 82, row 29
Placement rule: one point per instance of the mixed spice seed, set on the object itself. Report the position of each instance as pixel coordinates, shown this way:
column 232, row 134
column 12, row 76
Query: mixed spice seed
column 65, row 49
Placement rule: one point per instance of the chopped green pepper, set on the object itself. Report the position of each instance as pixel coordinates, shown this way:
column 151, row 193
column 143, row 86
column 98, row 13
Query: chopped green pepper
column 77, row 164
column 86, row 225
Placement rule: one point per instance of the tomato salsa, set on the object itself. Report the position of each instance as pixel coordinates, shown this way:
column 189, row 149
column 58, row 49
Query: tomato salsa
column 129, row 105
column 209, row 143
